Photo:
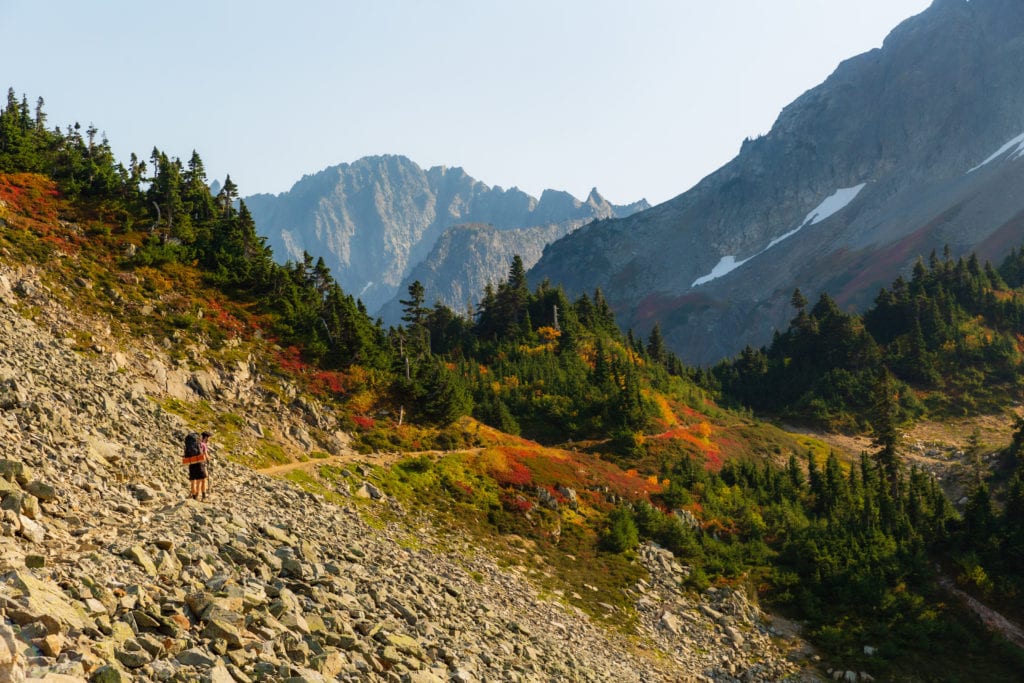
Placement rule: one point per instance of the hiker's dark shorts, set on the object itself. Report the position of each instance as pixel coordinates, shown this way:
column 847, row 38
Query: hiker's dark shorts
column 196, row 471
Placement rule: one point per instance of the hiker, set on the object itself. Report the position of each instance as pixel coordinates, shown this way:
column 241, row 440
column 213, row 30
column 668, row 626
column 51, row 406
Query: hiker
column 197, row 455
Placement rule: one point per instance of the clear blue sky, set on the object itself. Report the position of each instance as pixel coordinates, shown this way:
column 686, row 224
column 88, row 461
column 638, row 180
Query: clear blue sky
column 640, row 98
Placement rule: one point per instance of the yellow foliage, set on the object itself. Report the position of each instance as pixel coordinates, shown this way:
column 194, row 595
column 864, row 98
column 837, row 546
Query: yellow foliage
column 361, row 402
column 548, row 333
column 703, row 430
column 665, row 410
column 493, row 460
column 536, row 350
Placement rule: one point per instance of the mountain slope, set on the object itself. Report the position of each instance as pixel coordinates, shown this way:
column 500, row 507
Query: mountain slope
column 856, row 179
column 108, row 572
column 373, row 220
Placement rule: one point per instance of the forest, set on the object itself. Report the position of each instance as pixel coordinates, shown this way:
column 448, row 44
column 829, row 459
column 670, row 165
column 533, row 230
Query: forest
column 853, row 547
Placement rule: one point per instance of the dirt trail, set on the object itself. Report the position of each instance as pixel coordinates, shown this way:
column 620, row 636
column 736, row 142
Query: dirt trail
column 992, row 619
column 387, row 458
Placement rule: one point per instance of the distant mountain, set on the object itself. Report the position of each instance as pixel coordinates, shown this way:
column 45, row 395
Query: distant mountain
column 377, row 218
column 902, row 150
column 468, row 257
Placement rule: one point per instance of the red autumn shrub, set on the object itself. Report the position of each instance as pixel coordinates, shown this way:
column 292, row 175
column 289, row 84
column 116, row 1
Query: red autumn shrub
column 363, row 422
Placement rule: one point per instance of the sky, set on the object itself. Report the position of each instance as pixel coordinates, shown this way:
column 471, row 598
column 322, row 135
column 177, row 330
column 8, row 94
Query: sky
column 640, row 99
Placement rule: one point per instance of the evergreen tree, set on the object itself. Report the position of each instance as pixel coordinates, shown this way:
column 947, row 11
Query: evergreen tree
column 442, row 394
column 415, row 316
column 656, row 350
column 885, row 425
column 621, row 533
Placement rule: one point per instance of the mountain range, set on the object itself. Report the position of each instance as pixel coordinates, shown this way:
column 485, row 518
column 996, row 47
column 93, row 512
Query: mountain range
column 905, row 149
column 377, row 219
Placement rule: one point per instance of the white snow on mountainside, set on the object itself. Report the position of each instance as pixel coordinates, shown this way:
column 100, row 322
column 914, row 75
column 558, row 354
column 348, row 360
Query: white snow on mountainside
column 833, row 204
column 1017, row 142
column 725, row 265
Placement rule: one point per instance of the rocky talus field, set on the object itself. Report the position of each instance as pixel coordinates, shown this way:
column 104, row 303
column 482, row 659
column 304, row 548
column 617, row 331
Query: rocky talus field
column 109, row 572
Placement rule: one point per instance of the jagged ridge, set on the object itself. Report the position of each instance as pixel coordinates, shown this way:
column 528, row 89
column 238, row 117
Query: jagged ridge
column 375, row 219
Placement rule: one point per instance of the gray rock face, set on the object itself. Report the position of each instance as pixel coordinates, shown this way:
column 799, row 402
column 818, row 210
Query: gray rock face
column 900, row 131
column 130, row 580
column 373, row 220
column 467, row 258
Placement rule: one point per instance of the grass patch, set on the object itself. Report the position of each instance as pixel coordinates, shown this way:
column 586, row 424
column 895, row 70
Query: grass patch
column 268, row 454
column 308, row 482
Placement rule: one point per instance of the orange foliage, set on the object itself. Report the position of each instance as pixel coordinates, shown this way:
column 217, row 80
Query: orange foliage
column 548, row 334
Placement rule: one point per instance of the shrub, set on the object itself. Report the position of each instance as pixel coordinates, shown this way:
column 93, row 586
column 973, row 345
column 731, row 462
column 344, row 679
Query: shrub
column 621, row 533
column 363, row 422
column 419, row 464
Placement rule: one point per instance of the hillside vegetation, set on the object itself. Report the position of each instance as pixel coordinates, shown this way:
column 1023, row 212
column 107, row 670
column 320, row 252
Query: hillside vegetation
column 540, row 429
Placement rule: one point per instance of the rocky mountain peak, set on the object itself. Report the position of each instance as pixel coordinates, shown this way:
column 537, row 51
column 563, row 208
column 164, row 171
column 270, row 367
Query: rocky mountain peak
column 375, row 219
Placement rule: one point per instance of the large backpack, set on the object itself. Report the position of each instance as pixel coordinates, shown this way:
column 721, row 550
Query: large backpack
column 192, row 445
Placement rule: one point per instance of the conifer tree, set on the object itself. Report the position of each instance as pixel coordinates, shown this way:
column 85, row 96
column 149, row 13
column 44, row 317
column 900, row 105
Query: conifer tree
column 656, row 350
column 442, row 394
column 415, row 315
column 885, row 424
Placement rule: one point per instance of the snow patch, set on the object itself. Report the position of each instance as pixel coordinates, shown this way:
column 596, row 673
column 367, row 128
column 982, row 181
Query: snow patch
column 363, row 290
column 725, row 265
column 833, row 204
column 1016, row 144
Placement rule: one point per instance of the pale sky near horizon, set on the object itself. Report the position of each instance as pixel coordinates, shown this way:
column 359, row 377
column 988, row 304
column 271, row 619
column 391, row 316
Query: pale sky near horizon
column 640, row 99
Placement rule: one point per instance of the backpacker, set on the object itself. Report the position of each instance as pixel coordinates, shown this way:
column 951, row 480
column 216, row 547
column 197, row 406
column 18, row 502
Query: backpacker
column 192, row 448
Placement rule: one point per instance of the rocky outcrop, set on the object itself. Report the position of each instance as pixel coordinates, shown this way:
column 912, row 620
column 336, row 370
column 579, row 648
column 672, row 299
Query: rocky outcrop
column 108, row 572
column 877, row 166
column 374, row 220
